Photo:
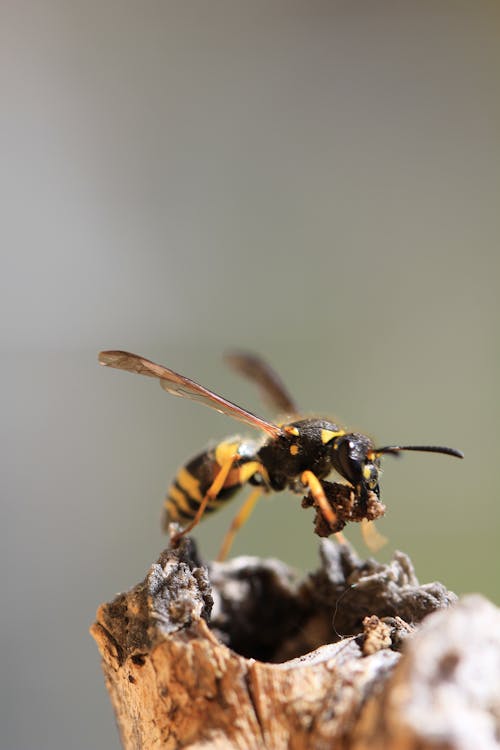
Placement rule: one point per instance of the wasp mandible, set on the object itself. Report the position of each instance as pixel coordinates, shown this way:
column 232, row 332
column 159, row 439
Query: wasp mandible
column 297, row 455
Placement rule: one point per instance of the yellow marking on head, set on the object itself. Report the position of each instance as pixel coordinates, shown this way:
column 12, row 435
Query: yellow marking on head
column 367, row 472
column 294, row 449
column 224, row 452
column 328, row 435
column 290, row 430
column 189, row 483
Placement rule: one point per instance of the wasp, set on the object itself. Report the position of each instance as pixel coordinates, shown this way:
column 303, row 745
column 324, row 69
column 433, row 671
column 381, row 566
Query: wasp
column 297, row 454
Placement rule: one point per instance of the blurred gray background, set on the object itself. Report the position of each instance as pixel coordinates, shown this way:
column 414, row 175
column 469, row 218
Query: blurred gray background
column 316, row 181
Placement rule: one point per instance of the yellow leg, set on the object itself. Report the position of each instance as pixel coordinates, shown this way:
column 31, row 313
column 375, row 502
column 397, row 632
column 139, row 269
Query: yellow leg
column 373, row 539
column 238, row 521
column 316, row 489
column 210, row 494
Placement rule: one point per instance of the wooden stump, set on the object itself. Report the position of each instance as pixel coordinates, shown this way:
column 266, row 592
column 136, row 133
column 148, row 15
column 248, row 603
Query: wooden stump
column 246, row 655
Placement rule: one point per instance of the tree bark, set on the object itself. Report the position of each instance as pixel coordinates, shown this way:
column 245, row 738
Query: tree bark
column 245, row 655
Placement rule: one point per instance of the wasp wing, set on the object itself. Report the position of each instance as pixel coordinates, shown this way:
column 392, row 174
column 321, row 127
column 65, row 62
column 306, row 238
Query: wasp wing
column 269, row 382
column 179, row 385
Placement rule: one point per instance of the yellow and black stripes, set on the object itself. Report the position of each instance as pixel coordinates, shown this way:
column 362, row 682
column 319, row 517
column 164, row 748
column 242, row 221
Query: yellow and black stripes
column 184, row 497
column 193, row 481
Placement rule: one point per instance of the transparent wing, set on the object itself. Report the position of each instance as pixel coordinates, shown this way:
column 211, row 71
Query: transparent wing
column 179, row 385
column 271, row 386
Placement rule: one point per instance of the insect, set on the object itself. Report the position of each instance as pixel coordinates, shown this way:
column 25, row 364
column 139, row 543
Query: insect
column 297, row 455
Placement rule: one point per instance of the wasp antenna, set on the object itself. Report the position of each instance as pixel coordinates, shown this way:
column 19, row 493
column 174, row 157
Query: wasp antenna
column 395, row 449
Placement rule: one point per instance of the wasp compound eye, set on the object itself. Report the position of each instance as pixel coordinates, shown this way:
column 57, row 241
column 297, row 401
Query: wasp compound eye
column 350, row 458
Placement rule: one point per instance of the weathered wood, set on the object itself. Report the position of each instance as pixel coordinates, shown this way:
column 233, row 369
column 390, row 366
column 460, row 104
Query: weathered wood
column 245, row 655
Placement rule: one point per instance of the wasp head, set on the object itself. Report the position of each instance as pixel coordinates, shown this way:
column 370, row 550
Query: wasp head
column 358, row 462
column 355, row 457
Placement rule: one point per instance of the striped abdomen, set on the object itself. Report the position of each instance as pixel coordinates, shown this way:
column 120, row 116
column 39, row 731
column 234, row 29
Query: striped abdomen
column 194, row 480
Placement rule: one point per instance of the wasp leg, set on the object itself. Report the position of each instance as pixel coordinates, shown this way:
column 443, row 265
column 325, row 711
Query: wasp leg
column 210, row 494
column 316, row 489
column 373, row 539
column 238, row 521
